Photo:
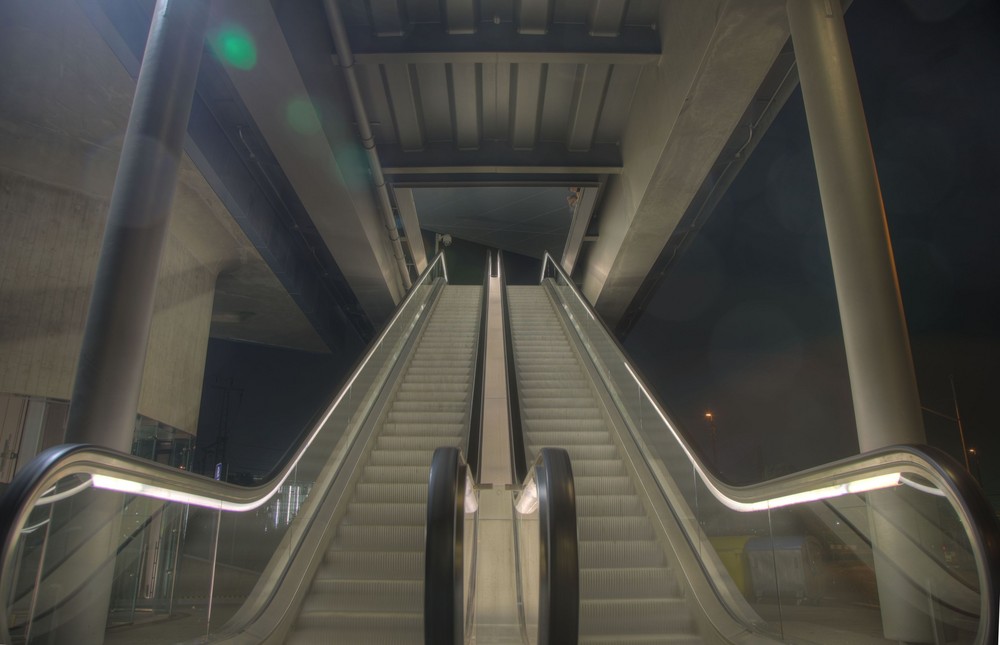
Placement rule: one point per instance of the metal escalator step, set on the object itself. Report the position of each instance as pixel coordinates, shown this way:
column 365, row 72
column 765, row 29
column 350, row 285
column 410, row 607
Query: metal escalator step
column 421, row 393
column 364, row 595
column 635, row 615
column 401, row 513
column 557, row 425
column 538, row 391
column 595, row 529
column 411, row 475
column 598, row 468
column 401, row 457
column 624, row 582
column 415, row 442
column 562, row 412
column 381, row 537
column 424, row 429
column 621, row 553
column 397, row 416
column 602, row 485
column 358, row 628
column 401, row 493
column 567, row 398
column 615, row 505
column 582, row 453
column 339, row 564
column 428, row 406
column 642, row 639
column 566, row 437
column 438, row 362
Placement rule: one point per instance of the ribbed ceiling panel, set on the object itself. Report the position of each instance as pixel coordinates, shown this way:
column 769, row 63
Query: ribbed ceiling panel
column 442, row 73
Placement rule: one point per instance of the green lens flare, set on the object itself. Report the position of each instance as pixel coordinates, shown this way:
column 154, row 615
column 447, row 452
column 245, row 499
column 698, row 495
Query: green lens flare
column 301, row 116
column 234, row 45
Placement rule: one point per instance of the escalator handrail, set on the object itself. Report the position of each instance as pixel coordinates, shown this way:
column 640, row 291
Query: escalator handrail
column 475, row 442
column 317, row 421
column 517, row 451
column 138, row 476
column 448, row 488
column 942, row 470
column 549, row 487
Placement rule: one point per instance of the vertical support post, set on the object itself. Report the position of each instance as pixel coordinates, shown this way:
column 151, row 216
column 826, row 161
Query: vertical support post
column 109, row 371
column 883, row 383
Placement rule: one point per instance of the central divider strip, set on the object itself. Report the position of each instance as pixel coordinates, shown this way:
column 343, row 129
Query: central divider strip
column 519, row 461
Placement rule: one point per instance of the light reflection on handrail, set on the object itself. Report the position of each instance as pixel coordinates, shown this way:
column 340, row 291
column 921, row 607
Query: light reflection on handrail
column 204, row 496
column 875, row 469
column 111, row 470
column 836, row 489
column 52, row 498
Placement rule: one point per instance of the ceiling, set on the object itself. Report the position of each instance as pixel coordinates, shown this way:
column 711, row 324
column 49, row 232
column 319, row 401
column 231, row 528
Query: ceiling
column 587, row 128
column 527, row 220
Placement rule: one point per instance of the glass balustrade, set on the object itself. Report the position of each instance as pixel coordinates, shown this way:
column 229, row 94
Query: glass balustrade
column 98, row 538
column 877, row 546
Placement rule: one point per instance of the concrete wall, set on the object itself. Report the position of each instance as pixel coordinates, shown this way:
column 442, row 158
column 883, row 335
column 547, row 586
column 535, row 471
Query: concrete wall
column 64, row 102
column 49, row 242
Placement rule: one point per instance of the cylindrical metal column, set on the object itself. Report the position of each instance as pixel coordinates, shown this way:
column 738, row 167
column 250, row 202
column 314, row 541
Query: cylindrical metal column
column 108, row 375
column 883, row 385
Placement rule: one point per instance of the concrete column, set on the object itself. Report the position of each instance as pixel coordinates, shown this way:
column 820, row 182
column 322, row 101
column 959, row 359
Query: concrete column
column 109, row 371
column 883, row 384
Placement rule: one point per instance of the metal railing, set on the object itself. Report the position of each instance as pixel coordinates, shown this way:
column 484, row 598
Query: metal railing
column 919, row 469
column 100, row 471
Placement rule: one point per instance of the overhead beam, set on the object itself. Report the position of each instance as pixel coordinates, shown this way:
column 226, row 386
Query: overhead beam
column 582, row 212
column 504, row 37
column 330, row 178
column 461, row 16
column 411, row 226
column 493, row 156
column 533, row 16
column 495, row 57
column 716, row 55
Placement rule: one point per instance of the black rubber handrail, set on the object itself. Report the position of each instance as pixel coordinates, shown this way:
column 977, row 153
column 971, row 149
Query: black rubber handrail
column 444, row 549
column 519, row 461
column 965, row 494
column 475, row 443
column 551, row 482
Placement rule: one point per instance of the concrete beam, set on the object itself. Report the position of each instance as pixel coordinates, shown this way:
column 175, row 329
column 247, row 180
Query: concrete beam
column 326, row 172
column 411, row 226
column 715, row 56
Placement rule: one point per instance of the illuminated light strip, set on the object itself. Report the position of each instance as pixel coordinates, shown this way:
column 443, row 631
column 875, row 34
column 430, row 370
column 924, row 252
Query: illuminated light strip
column 106, row 482
column 132, row 487
column 857, row 486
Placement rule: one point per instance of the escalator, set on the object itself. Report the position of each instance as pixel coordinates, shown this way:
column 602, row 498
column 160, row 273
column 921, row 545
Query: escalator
column 369, row 586
column 626, row 584
column 894, row 545
column 333, row 548
column 333, row 544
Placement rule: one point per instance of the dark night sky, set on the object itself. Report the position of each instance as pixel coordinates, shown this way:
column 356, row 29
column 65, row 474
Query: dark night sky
column 746, row 323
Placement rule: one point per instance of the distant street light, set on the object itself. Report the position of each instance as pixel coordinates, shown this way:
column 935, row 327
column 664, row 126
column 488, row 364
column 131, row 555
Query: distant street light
column 711, row 426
